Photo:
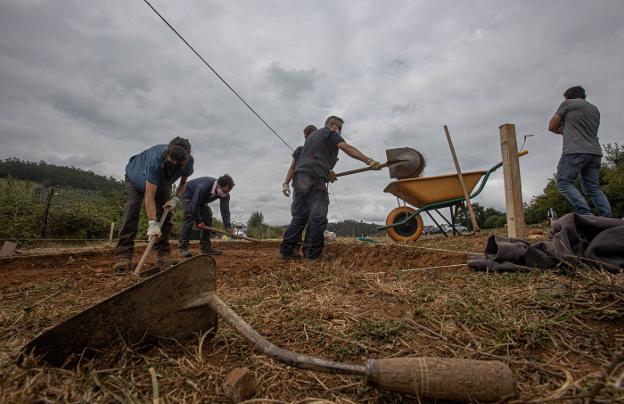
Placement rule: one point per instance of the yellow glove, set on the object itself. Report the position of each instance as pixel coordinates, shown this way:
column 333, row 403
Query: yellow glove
column 374, row 164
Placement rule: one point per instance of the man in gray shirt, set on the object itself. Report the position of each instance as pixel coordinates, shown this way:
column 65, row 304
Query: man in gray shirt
column 578, row 120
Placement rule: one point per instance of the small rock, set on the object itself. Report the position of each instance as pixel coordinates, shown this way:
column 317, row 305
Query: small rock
column 70, row 260
column 239, row 385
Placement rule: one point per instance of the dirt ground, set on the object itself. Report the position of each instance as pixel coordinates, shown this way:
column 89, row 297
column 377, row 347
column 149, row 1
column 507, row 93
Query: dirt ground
column 558, row 332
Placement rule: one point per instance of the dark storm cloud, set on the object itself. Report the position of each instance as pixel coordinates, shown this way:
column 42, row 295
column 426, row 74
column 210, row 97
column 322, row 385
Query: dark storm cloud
column 92, row 83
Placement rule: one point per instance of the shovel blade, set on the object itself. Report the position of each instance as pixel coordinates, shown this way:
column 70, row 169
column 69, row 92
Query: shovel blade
column 410, row 163
column 168, row 304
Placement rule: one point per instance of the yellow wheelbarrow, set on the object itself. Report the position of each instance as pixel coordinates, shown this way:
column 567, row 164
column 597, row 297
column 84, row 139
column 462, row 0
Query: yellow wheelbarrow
column 430, row 194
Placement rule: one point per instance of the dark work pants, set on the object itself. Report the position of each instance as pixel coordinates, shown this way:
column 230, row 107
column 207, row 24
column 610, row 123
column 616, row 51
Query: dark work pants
column 130, row 221
column 310, row 204
column 189, row 221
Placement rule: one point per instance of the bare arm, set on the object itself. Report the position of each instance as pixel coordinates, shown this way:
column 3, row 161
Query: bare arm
column 181, row 187
column 150, row 205
column 352, row 152
column 291, row 172
column 556, row 124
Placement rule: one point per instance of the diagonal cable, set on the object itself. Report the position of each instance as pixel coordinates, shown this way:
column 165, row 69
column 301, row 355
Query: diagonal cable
column 218, row 75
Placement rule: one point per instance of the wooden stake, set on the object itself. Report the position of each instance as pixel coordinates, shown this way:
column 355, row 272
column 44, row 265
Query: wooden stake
column 473, row 219
column 110, row 234
column 44, row 220
column 513, row 185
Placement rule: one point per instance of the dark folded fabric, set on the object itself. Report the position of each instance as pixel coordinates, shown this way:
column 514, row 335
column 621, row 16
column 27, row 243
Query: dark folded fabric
column 594, row 240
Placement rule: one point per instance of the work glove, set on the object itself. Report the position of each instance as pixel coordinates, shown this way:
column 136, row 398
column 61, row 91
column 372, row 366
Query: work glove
column 332, row 176
column 286, row 189
column 153, row 228
column 374, row 164
column 172, row 203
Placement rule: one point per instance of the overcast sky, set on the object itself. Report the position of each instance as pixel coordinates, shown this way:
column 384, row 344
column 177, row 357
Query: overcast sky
column 90, row 83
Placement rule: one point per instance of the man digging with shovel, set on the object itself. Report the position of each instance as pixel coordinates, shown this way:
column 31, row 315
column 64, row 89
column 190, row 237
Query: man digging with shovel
column 195, row 199
column 149, row 176
column 310, row 199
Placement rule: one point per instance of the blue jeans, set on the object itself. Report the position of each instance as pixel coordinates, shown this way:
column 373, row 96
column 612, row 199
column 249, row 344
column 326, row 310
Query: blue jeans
column 310, row 204
column 588, row 166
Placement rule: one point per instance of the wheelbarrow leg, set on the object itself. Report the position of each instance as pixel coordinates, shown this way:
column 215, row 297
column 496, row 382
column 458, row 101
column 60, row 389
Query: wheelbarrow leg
column 436, row 223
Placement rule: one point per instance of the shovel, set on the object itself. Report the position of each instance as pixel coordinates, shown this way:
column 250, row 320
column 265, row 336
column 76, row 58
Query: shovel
column 182, row 301
column 404, row 162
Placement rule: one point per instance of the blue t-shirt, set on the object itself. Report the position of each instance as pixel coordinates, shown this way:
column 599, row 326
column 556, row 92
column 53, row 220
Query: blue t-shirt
column 148, row 166
column 320, row 153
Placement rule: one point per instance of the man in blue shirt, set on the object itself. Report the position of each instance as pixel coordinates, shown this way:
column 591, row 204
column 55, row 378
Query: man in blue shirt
column 311, row 200
column 577, row 121
column 149, row 177
column 195, row 199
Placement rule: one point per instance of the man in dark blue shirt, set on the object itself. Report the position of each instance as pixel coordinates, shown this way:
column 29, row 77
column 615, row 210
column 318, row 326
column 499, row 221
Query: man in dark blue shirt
column 149, row 177
column 311, row 200
column 195, row 199
column 307, row 131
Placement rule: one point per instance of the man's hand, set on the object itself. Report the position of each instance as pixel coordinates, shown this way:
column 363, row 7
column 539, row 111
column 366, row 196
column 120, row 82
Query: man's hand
column 374, row 164
column 332, row 176
column 230, row 230
column 201, row 225
column 286, row 189
column 153, row 228
column 172, row 203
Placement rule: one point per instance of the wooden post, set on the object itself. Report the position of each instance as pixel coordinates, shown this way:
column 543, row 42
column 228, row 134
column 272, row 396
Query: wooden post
column 513, row 185
column 110, row 234
column 473, row 219
column 44, row 220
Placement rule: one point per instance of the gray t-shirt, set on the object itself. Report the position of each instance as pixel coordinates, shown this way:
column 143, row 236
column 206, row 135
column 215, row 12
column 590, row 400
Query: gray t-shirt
column 580, row 127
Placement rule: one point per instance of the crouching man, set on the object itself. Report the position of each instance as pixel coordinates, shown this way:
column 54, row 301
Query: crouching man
column 149, row 177
column 195, row 199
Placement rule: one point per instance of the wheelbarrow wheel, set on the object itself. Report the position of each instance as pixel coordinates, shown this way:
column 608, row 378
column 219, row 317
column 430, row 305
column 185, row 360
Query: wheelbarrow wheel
column 409, row 231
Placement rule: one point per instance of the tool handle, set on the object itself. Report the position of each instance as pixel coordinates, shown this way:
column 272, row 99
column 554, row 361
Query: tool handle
column 443, row 378
column 150, row 245
column 359, row 170
column 231, row 235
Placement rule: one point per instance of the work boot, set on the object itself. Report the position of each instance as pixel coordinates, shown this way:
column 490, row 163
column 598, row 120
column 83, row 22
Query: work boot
column 165, row 261
column 322, row 258
column 209, row 251
column 122, row 265
column 289, row 256
column 185, row 253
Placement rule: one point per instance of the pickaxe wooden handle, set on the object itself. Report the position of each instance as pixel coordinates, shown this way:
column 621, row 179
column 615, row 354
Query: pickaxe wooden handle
column 150, row 244
column 213, row 229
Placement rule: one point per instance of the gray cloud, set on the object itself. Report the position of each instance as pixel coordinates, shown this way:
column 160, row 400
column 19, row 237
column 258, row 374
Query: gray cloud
column 92, row 85
column 292, row 83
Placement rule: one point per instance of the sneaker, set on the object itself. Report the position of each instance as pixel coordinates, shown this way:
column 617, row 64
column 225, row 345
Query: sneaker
column 166, row 261
column 209, row 251
column 122, row 265
column 322, row 258
column 184, row 253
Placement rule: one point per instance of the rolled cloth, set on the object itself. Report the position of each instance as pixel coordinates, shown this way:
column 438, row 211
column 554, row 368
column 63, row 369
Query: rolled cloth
column 596, row 241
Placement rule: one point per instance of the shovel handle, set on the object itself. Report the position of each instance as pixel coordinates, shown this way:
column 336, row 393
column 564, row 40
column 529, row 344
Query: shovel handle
column 215, row 230
column 359, row 170
column 150, row 245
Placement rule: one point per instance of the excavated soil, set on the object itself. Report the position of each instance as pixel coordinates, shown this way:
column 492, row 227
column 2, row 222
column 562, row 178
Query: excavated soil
column 556, row 331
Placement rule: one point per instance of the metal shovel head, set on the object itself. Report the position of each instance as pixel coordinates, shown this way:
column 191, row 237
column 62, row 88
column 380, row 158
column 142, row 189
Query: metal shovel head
column 169, row 304
column 410, row 162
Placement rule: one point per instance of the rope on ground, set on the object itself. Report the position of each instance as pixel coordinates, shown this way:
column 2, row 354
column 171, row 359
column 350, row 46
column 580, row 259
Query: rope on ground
column 437, row 249
column 436, row 267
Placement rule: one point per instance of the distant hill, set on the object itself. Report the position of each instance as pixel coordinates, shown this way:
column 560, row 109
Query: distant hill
column 51, row 174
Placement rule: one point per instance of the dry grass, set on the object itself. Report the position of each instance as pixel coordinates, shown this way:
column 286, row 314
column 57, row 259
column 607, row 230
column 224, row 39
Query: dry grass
column 557, row 332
